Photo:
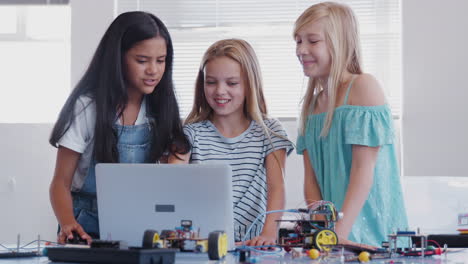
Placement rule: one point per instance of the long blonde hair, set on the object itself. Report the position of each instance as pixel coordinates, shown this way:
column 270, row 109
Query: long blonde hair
column 342, row 38
column 241, row 52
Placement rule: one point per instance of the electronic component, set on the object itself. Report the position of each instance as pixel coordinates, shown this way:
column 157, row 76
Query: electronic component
column 116, row 244
column 184, row 239
column 21, row 251
column 111, row 255
column 76, row 240
column 310, row 233
column 452, row 240
column 14, row 254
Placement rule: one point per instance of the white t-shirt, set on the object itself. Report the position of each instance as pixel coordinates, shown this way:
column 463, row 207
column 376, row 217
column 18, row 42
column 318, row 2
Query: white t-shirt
column 80, row 136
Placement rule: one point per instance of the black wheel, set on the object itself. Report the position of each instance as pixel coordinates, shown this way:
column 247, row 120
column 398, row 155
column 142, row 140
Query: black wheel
column 217, row 245
column 150, row 238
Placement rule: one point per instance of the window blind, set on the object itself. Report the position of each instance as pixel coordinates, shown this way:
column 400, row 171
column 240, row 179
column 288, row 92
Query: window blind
column 35, row 62
column 34, row 2
column 267, row 25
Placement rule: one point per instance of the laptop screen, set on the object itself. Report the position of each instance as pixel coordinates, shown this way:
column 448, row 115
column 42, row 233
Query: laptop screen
column 135, row 197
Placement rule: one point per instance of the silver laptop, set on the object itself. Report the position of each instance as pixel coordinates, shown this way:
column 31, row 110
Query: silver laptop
column 135, row 197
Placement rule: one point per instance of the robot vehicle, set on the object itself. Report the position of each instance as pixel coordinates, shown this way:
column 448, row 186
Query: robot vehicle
column 187, row 240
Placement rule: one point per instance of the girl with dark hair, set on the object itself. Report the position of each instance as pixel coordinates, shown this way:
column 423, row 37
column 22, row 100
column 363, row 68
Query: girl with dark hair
column 122, row 110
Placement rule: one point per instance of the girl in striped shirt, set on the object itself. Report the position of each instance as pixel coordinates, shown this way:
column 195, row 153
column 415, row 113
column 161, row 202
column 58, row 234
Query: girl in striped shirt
column 229, row 124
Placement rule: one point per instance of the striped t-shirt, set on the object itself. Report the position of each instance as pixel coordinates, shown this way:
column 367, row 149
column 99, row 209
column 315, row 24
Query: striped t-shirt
column 246, row 155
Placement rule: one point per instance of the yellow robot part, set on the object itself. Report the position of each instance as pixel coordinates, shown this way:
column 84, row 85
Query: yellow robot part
column 151, row 239
column 325, row 239
column 202, row 246
column 217, row 245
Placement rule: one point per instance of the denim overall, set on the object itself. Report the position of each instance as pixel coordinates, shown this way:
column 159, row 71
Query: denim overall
column 134, row 144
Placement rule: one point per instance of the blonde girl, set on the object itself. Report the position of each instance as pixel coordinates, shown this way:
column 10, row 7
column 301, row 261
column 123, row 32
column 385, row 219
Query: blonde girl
column 346, row 129
column 229, row 123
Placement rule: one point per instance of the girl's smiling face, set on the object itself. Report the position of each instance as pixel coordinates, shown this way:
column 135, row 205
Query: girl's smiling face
column 224, row 87
column 312, row 50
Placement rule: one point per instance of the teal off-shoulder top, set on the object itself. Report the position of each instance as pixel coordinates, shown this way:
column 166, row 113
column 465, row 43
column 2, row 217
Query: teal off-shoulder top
column 331, row 158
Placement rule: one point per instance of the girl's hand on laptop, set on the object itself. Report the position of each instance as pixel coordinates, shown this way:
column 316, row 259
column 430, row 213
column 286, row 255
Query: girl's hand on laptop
column 68, row 231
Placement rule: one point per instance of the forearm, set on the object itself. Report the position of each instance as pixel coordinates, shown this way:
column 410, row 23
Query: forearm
column 357, row 193
column 274, row 164
column 312, row 191
column 61, row 200
column 276, row 201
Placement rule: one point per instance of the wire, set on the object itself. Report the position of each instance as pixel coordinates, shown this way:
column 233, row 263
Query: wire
column 297, row 240
column 266, row 213
column 312, row 206
column 25, row 246
column 264, row 252
column 46, row 241
column 435, row 242
column 4, row 247
column 316, row 204
column 432, row 241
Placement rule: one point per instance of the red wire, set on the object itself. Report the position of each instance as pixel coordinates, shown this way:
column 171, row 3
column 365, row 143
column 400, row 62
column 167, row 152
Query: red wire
column 294, row 241
column 432, row 241
column 435, row 242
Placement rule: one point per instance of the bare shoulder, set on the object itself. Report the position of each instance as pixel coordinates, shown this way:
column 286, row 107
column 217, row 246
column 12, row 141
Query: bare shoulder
column 366, row 91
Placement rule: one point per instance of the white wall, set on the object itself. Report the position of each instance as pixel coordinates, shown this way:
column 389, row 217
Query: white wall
column 294, row 179
column 90, row 19
column 435, row 90
column 26, row 157
column 432, row 202
column 435, row 122
column 27, row 164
